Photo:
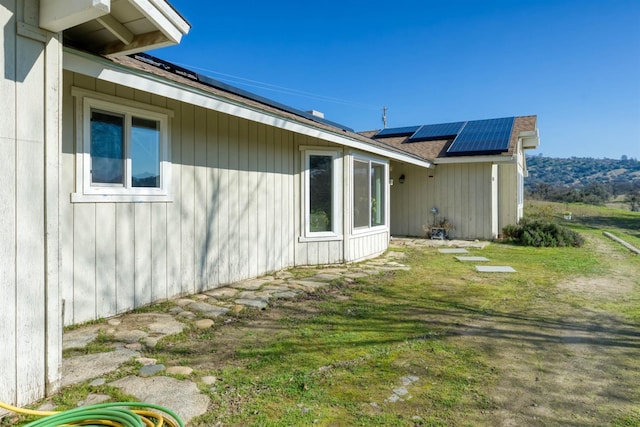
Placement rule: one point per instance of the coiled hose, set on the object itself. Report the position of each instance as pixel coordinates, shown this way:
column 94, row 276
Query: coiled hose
column 115, row 414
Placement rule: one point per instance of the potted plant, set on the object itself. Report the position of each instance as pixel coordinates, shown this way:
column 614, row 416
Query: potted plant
column 440, row 229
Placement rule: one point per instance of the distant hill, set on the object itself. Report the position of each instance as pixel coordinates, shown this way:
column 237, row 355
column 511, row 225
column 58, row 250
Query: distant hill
column 580, row 172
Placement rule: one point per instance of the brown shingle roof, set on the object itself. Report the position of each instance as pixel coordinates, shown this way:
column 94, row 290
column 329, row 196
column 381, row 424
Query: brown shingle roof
column 136, row 64
column 433, row 150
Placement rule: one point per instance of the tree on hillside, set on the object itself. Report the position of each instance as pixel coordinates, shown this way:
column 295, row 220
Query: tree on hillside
column 595, row 193
column 634, row 202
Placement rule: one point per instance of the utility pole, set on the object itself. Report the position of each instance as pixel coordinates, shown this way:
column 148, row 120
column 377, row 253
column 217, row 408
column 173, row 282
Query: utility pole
column 384, row 116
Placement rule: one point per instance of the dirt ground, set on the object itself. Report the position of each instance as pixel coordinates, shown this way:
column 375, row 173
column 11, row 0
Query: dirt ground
column 577, row 369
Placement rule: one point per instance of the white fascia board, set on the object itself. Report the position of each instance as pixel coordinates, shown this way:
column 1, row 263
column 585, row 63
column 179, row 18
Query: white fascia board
column 476, row 159
column 58, row 15
column 92, row 66
column 173, row 16
column 530, row 139
column 166, row 20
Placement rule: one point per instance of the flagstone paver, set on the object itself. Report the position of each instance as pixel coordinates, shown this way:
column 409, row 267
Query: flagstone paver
column 472, row 258
column 495, row 269
column 133, row 330
column 453, row 251
column 255, row 303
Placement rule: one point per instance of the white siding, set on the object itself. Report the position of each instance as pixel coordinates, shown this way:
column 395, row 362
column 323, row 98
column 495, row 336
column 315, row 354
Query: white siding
column 8, row 143
column 232, row 216
column 367, row 246
column 508, row 194
column 461, row 192
column 29, row 138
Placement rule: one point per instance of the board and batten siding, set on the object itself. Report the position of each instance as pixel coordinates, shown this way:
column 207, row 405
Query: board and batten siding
column 462, row 193
column 237, row 213
column 30, row 323
column 508, row 194
column 231, row 218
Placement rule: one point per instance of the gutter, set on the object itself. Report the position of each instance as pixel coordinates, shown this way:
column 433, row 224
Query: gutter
column 475, row 159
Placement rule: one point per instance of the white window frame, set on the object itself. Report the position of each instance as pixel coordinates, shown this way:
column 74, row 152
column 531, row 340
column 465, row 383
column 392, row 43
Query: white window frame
column 520, row 194
column 89, row 192
column 336, row 233
column 370, row 161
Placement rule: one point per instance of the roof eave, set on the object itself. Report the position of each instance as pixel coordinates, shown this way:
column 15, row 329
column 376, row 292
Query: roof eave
column 475, row 159
column 167, row 25
column 102, row 69
column 530, row 139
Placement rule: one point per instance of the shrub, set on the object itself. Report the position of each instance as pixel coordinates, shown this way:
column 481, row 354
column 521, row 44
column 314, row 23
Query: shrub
column 541, row 233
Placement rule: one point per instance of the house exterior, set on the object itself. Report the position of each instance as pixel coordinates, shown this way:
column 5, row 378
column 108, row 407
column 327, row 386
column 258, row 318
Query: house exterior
column 131, row 180
column 242, row 187
column 476, row 184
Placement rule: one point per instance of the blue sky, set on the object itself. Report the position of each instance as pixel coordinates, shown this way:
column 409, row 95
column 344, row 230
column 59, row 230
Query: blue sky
column 575, row 64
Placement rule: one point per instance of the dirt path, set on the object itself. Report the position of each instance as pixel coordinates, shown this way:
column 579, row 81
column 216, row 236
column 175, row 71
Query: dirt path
column 578, row 369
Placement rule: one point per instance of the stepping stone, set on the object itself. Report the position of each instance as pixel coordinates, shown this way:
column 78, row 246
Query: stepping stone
column 181, row 396
column 285, row 295
column 471, row 258
column 79, row 338
column 204, row 323
column 179, row 370
column 494, row 269
column 222, row 293
column 250, row 285
column 149, row 370
column 255, row 303
column 453, row 251
column 208, row 310
column 276, row 288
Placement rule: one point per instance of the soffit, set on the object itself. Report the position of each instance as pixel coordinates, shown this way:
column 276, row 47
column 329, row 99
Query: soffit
column 130, row 26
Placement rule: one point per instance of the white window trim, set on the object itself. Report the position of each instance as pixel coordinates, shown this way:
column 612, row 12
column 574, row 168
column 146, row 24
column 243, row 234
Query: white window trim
column 85, row 192
column 361, row 231
column 319, row 236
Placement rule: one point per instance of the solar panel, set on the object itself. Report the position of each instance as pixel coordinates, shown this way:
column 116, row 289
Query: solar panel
column 483, row 136
column 439, row 131
column 402, row 131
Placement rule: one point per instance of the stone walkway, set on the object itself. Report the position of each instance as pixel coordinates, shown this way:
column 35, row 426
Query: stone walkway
column 135, row 333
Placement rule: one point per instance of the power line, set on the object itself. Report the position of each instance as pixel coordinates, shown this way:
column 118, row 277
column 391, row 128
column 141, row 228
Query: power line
column 243, row 81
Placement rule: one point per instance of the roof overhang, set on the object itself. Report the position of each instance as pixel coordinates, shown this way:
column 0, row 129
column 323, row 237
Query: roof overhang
column 112, row 27
column 475, row 159
column 530, row 139
column 103, row 69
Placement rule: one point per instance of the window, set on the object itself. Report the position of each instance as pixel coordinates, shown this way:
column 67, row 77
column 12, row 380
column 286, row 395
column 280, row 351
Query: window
column 122, row 151
column 369, row 194
column 322, row 189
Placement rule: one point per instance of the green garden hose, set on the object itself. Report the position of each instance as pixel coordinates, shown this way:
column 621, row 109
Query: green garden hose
column 115, row 414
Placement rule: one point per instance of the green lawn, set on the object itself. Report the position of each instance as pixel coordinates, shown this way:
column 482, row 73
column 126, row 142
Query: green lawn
column 340, row 364
column 408, row 348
